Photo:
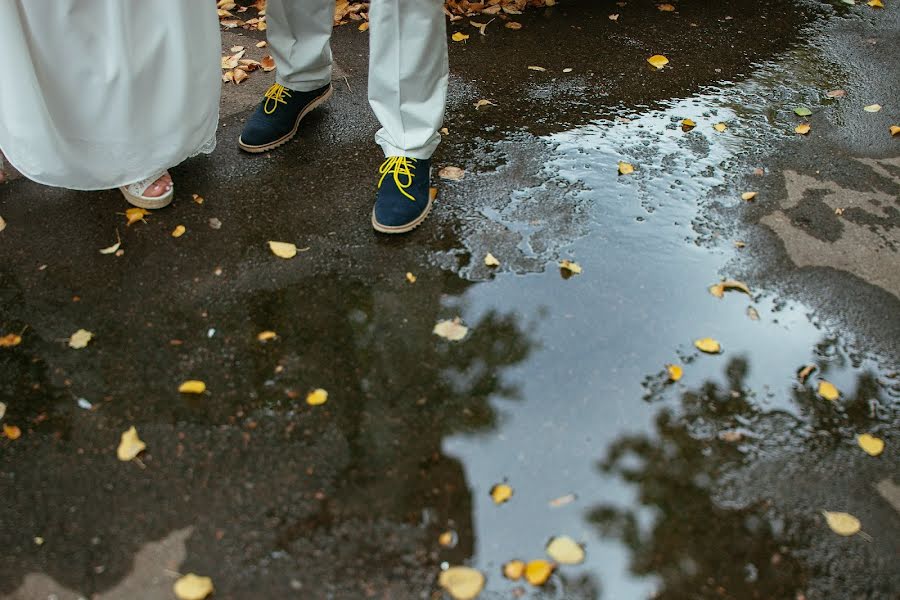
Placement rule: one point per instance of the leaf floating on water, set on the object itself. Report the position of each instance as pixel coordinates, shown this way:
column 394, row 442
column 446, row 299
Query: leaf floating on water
column 565, row 550
column 687, row 125
column 451, row 330
column 317, row 397
column 133, row 215
column 828, row 391
column 842, row 523
column 192, row 386
column 265, row 336
column 462, row 583
column 658, row 60
column 491, row 261
column 537, row 572
column 514, row 570
column 10, row 339
column 752, row 313
column 12, row 432
column 193, row 587
column 872, row 445
column 130, row 445
column 708, row 345
column 802, row 111
column 501, row 493
column 803, row 128
column 572, row 267
column 452, row 173
column 283, row 249
column 675, row 372
column 626, row 168
column 718, row 290
column 872, row 108
column 80, row 339
column 804, row 373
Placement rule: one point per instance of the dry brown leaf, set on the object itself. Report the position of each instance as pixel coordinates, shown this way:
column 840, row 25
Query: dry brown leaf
column 452, row 173
column 718, row 290
column 665, row 7
column 268, row 63
column 513, row 25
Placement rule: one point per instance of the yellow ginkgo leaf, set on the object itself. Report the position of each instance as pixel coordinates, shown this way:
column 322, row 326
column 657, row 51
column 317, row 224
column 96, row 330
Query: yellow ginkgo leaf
column 80, row 339
column 192, row 386
column 265, row 336
column 411, row 278
column 572, row 267
column 658, row 61
column 130, row 445
column 871, row 444
column 459, row 37
column 11, row 431
column 708, row 345
column 626, row 168
column 10, row 339
column 133, row 215
column 803, row 128
column 193, row 587
column 462, row 583
column 537, row 572
column 828, row 391
column 872, row 108
column 513, row 570
column 748, row 196
column 895, row 130
column 565, row 550
column 178, row 231
column 491, row 261
column 842, row 523
column 675, row 372
column 875, row 3
column 688, row 124
column 501, row 493
column 317, row 397
column 283, row 249
column 720, row 127
column 451, row 330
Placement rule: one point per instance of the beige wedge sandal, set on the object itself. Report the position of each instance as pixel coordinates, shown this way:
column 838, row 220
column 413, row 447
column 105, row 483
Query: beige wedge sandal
column 134, row 193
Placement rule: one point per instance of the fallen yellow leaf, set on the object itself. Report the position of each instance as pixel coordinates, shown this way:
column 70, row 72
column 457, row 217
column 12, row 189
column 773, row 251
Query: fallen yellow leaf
column 12, row 432
column 364, row 26
column 2, row 224
column 491, row 261
column 872, row 108
column 451, row 330
column 805, row 372
column 626, row 168
column 501, row 493
column 192, row 386
column 283, row 249
column 432, row 193
column 483, row 102
column 748, row 196
column 513, row 25
column 112, row 249
column 803, row 128
column 828, row 391
column 130, row 445
column 317, row 397
column 537, row 572
column 842, row 523
column 447, row 539
column 193, row 587
column 411, row 278
column 875, row 3
column 658, row 61
column 675, row 372
column 718, row 290
column 133, row 215
column 178, row 231
column 10, row 339
column 462, row 583
column 459, row 37
column 708, row 345
column 565, row 550
column 720, row 127
column 265, row 336
column 871, row 444
column 452, row 173
column 514, row 569
column 665, row 7
column 572, row 267
column 80, row 339
column 268, row 63
column 688, row 124
column 895, row 130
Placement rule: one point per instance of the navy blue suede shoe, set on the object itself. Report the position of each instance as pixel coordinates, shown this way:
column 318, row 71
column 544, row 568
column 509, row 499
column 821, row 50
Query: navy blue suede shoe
column 404, row 195
column 277, row 118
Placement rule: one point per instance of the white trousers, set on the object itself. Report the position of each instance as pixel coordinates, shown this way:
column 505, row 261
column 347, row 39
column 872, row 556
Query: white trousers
column 408, row 68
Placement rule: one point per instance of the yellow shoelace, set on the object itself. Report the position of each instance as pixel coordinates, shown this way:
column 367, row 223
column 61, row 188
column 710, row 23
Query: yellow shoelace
column 275, row 95
column 399, row 166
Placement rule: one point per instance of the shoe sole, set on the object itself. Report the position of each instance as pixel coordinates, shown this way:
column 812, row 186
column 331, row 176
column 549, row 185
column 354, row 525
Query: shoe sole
column 290, row 135
column 402, row 228
column 148, row 203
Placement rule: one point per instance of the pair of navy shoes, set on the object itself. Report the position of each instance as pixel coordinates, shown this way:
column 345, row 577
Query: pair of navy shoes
column 403, row 200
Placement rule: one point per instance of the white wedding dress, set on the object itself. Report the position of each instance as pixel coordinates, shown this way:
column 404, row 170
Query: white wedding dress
column 95, row 94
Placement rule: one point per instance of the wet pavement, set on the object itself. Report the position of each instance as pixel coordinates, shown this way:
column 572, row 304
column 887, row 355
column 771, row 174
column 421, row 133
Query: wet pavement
column 711, row 487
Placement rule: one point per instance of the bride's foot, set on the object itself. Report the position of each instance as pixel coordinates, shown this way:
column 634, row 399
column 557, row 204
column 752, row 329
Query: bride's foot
column 151, row 193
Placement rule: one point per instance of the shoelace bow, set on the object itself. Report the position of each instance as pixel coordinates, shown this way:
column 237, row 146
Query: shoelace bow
column 399, row 166
column 275, row 95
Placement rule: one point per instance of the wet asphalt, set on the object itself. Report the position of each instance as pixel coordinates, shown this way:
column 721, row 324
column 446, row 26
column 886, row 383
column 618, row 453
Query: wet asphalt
column 711, row 487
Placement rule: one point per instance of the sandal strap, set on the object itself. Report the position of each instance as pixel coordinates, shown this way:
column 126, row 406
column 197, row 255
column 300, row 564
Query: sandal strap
column 139, row 187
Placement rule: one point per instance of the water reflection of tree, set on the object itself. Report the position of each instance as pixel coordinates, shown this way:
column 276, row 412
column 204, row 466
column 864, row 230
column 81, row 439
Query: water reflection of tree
column 697, row 548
